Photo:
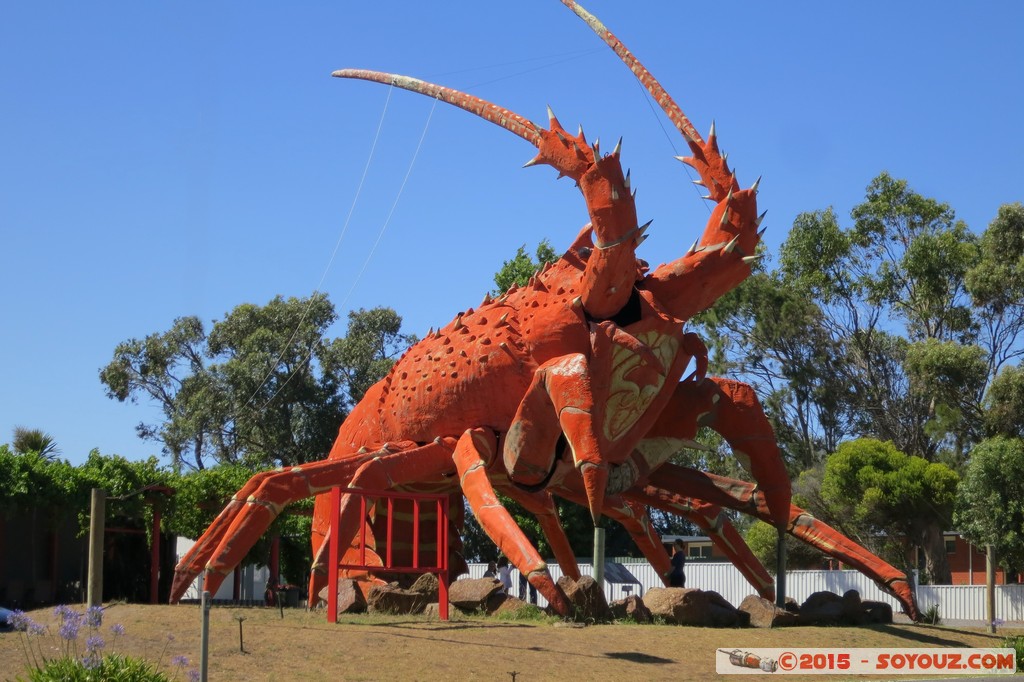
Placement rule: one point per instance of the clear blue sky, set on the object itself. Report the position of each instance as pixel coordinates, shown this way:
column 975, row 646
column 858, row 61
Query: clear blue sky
column 167, row 159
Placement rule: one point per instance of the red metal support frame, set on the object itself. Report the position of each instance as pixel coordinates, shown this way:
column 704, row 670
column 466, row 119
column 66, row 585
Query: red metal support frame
column 334, row 546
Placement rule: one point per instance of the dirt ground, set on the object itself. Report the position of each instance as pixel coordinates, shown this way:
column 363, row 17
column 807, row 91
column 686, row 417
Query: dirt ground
column 303, row 646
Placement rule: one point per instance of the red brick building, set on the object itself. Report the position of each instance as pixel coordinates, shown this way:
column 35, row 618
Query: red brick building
column 967, row 563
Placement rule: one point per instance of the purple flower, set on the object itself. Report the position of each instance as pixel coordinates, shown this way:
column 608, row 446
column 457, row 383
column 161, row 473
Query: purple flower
column 117, row 629
column 170, row 637
column 94, row 616
column 94, row 643
column 179, row 661
column 36, row 629
column 63, row 611
column 19, row 620
column 91, row 662
column 193, row 676
column 69, row 630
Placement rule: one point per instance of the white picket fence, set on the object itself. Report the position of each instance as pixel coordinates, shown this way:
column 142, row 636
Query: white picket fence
column 955, row 602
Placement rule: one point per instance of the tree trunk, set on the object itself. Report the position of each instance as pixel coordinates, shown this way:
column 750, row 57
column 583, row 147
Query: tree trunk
column 936, row 562
column 197, row 451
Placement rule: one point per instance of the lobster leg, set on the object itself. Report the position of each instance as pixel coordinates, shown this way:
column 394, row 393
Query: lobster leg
column 543, row 509
column 672, row 483
column 633, row 517
column 280, row 488
column 474, row 452
column 710, row 519
column 195, row 560
column 732, row 409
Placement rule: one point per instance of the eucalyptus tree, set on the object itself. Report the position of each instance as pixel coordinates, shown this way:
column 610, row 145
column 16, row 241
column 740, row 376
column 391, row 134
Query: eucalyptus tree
column 892, row 326
column 265, row 386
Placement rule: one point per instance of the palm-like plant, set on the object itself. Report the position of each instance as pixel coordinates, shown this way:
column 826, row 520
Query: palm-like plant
column 34, row 440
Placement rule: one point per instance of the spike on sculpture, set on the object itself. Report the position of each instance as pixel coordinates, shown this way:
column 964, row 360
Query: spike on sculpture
column 569, row 387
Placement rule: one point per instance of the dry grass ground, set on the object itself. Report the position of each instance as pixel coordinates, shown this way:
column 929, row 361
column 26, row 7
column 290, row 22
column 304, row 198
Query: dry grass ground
column 303, row 646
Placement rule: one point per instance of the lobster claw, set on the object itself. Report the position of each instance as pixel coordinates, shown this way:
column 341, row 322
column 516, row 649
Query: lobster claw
column 595, row 481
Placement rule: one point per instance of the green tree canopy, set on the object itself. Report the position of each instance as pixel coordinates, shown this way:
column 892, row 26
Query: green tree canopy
column 1004, row 403
column 990, row 503
column 521, row 267
column 894, row 326
column 888, row 499
column 265, row 386
column 762, row 539
column 373, row 343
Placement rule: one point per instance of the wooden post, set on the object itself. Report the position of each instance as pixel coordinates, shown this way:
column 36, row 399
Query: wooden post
column 275, row 561
column 204, row 637
column 990, row 587
column 97, row 527
column 154, row 558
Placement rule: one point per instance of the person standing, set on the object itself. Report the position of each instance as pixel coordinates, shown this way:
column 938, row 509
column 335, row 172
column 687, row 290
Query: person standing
column 678, row 577
column 523, row 585
column 505, row 574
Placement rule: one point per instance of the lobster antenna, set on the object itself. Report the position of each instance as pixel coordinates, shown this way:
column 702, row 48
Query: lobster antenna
column 664, row 100
column 510, row 121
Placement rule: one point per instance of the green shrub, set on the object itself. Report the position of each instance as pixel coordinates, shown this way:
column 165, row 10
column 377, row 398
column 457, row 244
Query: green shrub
column 109, row 667
column 931, row 615
column 83, row 661
column 1016, row 643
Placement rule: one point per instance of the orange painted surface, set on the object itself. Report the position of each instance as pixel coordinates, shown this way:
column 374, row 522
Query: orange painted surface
column 570, row 386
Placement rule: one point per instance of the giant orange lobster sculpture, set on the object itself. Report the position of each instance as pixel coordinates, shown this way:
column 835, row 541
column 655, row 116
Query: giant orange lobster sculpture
column 570, row 386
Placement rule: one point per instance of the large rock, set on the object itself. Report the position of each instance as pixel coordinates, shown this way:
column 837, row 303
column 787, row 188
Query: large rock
column 877, row 612
column 763, row 613
column 724, row 614
column 587, row 598
column 631, row 608
column 350, row 597
column 476, row 594
column 853, row 611
column 395, row 600
column 822, row 608
column 427, row 585
column 508, row 604
column 688, row 606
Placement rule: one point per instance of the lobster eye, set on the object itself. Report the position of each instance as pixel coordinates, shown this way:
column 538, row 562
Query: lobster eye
column 585, row 252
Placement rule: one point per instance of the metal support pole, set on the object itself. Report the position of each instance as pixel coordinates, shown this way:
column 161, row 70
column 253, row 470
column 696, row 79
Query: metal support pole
column 780, row 570
column 599, row 556
column 990, row 587
column 97, row 528
column 205, row 638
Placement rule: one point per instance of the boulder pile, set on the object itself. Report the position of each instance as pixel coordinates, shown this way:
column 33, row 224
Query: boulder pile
column 673, row 605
